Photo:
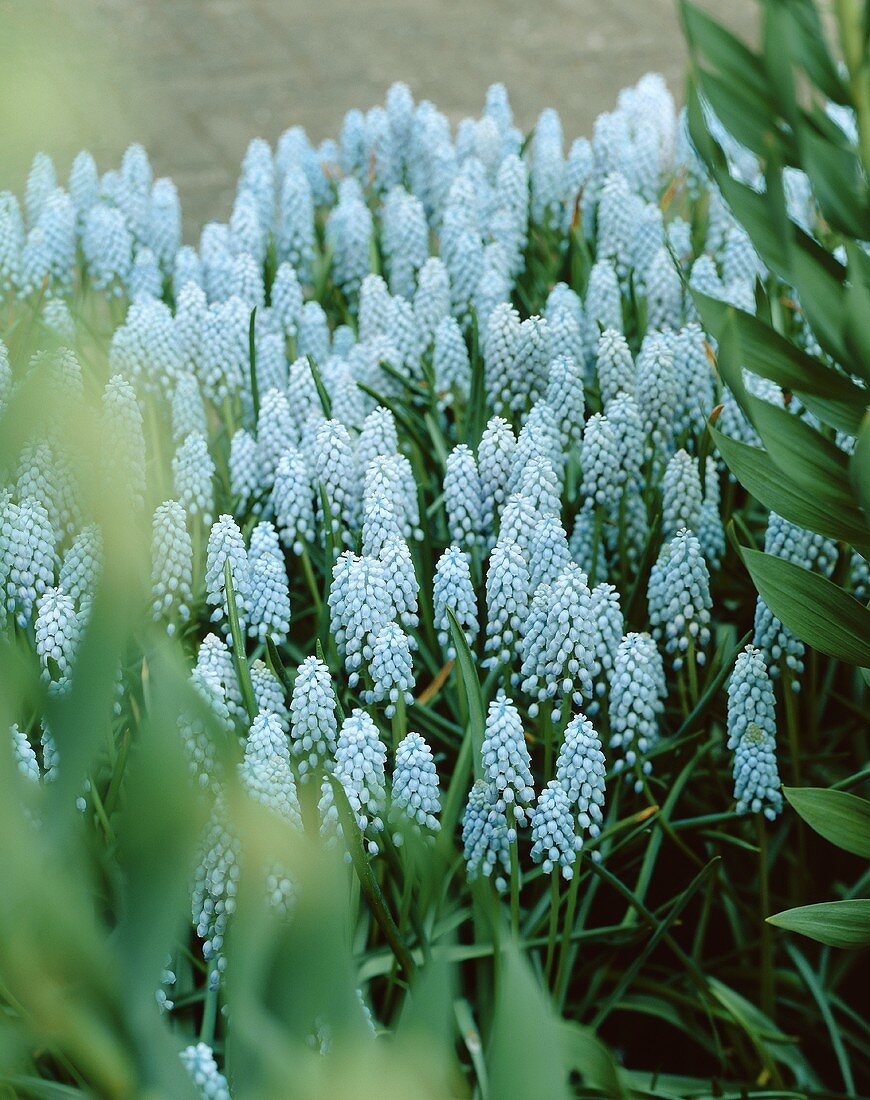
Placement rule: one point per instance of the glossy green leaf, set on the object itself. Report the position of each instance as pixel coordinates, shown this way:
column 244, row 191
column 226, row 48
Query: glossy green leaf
column 840, row 817
column 758, row 347
column 837, row 182
column 585, row 1054
column 762, row 477
column 835, row 923
column 859, row 468
column 525, row 1056
column 816, row 467
column 808, row 44
column 722, row 49
column 322, row 392
column 812, row 607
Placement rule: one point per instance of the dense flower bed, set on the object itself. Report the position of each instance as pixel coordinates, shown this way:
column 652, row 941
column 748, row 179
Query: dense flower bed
column 416, row 444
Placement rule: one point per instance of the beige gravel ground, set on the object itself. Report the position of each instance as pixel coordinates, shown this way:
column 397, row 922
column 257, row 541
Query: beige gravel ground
column 194, row 80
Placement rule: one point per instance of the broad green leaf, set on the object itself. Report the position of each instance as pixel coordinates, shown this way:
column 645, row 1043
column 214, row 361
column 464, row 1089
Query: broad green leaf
column 840, row 817
column 859, row 468
column 526, row 1052
column 759, row 474
column 587, row 1055
column 808, row 46
column 758, row 347
column 815, row 467
column 743, row 111
column 835, row 923
column 812, row 607
column 823, row 300
column 719, row 46
column 837, row 182
column 750, row 208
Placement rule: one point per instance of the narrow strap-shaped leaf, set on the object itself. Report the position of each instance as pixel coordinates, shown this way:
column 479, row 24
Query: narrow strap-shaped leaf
column 252, row 363
column 239, row 659
column 355, row 846
column 471, row 686
column 322, row 393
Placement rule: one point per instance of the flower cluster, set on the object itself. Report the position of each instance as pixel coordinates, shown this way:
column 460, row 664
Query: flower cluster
column 351, row 464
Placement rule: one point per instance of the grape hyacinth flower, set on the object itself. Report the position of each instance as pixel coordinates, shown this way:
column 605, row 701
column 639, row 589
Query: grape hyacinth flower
column 215, row 660
column 495, row 460
column 679, row 600
column 82, row 564
column 269, row 693
column 558, row 647
column 391, row 670
column 225, row 544
column 196, row 729
column 244, row 467
column 360, row 762
column 171, row 565
column 554, row 841
column 27, row 556
column 23, row 754
column 580, row 771
column 401, row 580
column 506, row 762
column 485, row 836
column 193, row 472
column 335, row 469
column 292, row 501
column 188, row 410
column 682, row 498
column 199, row 1061
column 265, row 771
column 416, row 797
column 637, row 694
column 549, row 553
column 782, row 650
column 452, row 588
column 752, row 736
column 507, row 602
column 213, row 899
column 360, row 607
column 462, row 498
column 313, row 725
column 58, row 632
column 269, row 604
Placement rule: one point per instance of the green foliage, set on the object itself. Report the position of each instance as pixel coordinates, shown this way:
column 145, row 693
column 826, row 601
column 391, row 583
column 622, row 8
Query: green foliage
column 801, row 473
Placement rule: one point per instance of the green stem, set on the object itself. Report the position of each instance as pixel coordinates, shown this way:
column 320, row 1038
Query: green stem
column 565, row 953
column 209, row 1016
column 240, row 659
column 767, row 972
column 596, row 539
column 515, row 876
column 398, row 722
column 692, row 670
column 554, row 924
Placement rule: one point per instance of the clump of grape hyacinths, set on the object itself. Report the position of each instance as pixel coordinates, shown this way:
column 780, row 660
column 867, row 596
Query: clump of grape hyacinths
column 398, row 488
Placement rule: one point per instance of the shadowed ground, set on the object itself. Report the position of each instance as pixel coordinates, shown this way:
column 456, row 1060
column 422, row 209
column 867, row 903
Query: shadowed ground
column 194, row 80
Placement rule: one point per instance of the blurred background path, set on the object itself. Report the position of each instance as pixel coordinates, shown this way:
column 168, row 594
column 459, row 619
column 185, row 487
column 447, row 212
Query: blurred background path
column 195, row 80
